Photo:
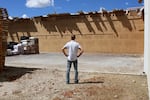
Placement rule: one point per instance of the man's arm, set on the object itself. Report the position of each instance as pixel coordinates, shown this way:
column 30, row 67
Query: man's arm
column 80, row 52
column 64, row 52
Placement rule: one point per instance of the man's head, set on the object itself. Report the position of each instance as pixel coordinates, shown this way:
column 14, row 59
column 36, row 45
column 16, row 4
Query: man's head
column 73, row 37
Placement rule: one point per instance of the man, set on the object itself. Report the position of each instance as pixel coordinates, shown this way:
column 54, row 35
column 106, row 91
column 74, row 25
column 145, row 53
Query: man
column 74, row 51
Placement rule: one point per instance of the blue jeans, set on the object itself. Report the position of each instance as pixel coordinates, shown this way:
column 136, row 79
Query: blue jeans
column 69, row 63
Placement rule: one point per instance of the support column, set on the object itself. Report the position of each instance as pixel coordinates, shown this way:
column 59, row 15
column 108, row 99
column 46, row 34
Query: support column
column 147, row 41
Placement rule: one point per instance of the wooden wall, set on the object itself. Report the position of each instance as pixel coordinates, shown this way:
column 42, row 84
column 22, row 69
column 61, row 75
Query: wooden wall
column 113, row 32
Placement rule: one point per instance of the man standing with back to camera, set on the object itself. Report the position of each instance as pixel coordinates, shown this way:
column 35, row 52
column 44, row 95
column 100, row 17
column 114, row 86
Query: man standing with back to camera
column 74, row 51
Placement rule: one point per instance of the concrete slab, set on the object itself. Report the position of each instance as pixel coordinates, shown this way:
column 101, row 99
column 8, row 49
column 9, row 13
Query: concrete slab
column 103, row 63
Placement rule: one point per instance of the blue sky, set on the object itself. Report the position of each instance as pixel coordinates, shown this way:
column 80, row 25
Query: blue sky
column 32, row 8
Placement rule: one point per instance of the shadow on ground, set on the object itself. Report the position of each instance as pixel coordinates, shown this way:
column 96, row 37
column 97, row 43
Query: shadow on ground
column 11, row 73
column 89, row 82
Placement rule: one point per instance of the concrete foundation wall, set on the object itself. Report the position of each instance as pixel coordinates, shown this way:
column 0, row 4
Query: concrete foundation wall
column 108, row 33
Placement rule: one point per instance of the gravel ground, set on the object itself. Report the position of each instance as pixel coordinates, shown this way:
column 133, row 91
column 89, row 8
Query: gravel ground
column 47, row 84
column 101, row 77
column 104, row 63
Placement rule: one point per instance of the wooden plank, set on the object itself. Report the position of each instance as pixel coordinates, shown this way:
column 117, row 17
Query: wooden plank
column 3, row 35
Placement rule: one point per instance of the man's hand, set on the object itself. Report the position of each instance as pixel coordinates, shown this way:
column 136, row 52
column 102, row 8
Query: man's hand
column 81, row 52
column 66, row 55
column 63, row 50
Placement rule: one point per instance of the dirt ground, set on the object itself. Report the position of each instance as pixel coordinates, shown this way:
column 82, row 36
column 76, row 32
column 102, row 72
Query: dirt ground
column 101, row 77
column 45, row 84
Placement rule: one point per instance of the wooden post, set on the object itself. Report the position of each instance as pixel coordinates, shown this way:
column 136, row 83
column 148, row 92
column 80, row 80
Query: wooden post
column 3, row 36
column 147, row 42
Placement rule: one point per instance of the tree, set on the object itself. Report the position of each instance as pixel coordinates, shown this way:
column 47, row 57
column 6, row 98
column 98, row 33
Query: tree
column 140, row 1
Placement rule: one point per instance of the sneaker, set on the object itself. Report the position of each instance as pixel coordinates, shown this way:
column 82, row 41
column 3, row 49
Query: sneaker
column 67, row 82
column 76, row 82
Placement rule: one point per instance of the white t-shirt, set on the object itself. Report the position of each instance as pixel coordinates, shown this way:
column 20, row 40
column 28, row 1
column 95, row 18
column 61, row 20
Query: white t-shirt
column 72, row 47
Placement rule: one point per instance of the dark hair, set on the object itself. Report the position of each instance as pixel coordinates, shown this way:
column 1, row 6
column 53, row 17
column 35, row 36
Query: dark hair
column 73, row 37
